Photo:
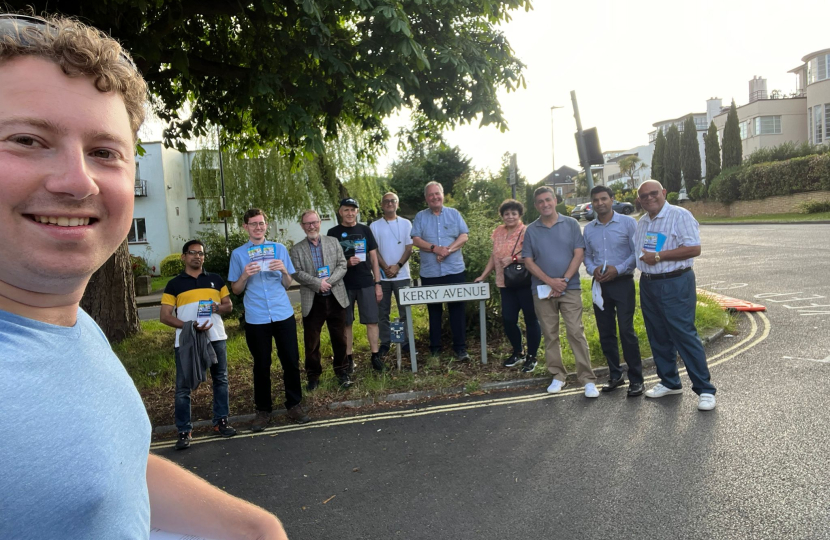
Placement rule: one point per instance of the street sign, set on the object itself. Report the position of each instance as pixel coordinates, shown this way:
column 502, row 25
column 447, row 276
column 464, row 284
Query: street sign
column 511, row 178
column 397, row 333
column 438, row 294
column 224, row 214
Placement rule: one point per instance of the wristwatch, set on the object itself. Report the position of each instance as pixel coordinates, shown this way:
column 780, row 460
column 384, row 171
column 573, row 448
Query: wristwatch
column 432, row 247
column 656, row 257
column 377, row 283
column 567, row 279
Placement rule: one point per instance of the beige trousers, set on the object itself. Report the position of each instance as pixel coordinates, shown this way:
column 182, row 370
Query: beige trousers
column 570, row 306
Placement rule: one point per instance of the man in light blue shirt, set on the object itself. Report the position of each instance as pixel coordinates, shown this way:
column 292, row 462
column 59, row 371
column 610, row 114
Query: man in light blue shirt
column 667, row 241
column 262, row 270
column 440, row 232
column 610, row 259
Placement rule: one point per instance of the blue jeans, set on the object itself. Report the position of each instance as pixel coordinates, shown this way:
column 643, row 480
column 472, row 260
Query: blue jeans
column 219, row 380
column 669, row 313
column 513, row 300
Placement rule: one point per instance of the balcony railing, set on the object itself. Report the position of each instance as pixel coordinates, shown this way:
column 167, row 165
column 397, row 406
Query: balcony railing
column 141, row 188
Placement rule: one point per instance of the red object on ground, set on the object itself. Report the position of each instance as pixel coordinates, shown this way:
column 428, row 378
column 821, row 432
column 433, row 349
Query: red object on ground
column 727, row 302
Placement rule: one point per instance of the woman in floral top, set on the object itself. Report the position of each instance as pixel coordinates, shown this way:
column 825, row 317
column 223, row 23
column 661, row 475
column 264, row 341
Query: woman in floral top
column 507, row 248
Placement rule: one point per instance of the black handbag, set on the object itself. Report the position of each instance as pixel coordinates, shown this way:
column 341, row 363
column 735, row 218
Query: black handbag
column 516, row 274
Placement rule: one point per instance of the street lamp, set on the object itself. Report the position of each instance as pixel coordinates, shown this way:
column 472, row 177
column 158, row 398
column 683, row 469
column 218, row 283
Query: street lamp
column 552, row 156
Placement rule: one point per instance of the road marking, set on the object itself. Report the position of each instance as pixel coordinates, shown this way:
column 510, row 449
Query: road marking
column 825, row 361
column 742, row 346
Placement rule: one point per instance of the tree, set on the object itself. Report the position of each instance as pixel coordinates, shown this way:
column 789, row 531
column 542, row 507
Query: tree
column 690, row 154
column 732, row 150
column 439, row 162
column 671, row 160
column 295, row 72
column 631, row 166
column 658, row 157
column 115, row 312
column 581, row 185
column 712, row 151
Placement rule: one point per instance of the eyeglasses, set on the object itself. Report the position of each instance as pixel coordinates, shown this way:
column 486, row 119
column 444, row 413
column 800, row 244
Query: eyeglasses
column 12, row 24
column 310, row 223
column 649, row 195
column 389, row 201
column 257, row 225
column 195, row 253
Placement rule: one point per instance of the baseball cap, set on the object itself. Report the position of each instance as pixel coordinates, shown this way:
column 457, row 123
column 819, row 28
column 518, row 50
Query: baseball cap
column 349, row 202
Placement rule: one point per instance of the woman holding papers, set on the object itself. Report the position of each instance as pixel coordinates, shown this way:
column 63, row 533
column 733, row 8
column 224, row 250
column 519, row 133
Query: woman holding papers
column 507, row 250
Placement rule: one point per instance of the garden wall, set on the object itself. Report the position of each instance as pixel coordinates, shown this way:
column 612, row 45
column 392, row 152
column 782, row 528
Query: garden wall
column 783, row 204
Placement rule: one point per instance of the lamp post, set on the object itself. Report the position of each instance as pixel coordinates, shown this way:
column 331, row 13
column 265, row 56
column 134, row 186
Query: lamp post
column 552, row 156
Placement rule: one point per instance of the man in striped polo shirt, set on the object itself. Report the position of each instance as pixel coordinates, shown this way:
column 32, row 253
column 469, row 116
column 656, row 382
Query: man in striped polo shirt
column 667, row 241
column 180, row 304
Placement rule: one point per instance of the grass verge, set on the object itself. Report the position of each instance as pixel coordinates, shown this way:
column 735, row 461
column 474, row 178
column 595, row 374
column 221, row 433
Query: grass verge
column 159, row 282
column 148, row 357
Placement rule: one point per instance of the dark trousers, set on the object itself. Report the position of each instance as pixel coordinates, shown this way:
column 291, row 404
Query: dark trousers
column 669, row 313
column 513, row 300
column 619, row 301
column 458, row 319
column 259, row 337
column 325, row 309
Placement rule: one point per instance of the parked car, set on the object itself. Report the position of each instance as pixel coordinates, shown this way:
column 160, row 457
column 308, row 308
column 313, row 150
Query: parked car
column 586, row 210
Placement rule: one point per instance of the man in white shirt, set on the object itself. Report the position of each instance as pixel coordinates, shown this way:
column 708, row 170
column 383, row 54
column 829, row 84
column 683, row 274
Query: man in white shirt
column 394, row 249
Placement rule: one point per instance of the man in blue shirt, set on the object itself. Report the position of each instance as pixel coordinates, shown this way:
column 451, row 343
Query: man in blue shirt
column 610, row 259
column 440, row 232
column 262, row 270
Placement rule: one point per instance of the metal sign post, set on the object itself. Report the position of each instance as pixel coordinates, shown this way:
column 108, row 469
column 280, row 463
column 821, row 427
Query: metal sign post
column 438, row 294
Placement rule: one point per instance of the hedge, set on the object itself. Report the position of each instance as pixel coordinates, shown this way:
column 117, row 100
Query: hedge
column 798, row 175
column 172, row 265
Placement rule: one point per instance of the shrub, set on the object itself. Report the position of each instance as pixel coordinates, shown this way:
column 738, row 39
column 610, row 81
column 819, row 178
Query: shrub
column 694, row 193
column 726, row 186
column 783, row 152
column 562, row 208
column 172, row 265
column 568, row 209
column 139, row 266
column 704, row 192
column 672, row 197
column 814, row 207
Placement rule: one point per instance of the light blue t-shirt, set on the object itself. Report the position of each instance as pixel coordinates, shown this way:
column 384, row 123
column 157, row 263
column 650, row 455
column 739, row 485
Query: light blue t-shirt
column 265, row 298
column 75, row 454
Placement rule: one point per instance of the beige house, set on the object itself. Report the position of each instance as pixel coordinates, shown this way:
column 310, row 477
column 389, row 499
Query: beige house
column 813, row 80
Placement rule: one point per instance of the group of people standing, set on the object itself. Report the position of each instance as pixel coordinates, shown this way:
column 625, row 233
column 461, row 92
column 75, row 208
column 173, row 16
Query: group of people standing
column 662, row 245
column 352, row 265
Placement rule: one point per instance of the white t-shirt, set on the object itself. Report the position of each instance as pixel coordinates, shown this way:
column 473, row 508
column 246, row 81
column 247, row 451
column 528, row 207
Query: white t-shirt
column 392, row 238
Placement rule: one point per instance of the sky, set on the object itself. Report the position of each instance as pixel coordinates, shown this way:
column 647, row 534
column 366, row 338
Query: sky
column 634, row 63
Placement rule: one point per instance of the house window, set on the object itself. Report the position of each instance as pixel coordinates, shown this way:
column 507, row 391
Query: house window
column 818, row 69
column 819, row 124
column 826, row 121
column 767, row 125
column 138, row 232
column 744, row 127
column 810, row 125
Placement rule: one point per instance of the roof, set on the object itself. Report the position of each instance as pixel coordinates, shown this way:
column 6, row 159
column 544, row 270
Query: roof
column 814, row 54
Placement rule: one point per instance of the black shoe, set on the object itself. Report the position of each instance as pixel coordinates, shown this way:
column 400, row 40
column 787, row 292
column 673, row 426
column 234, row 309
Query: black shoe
column 350, row 361
column 377, row 363
column 462, row 356
column 383, row 351
column 530, row 364
column 312, row 385
column 405, row 348
column 514, row 360
column 297, row 415
column 612, row 384
column 635, row 389
column 224, row 429
column 345, row 380
column 260, row 421
column 184, row 441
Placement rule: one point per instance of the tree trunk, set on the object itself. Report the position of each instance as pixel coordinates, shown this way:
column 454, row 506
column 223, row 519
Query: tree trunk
column 110, row 297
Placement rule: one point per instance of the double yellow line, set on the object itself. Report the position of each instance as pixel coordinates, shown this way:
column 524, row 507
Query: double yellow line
column 757, row 334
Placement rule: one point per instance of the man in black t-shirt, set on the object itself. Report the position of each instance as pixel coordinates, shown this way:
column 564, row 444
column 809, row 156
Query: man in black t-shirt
column 362, row 277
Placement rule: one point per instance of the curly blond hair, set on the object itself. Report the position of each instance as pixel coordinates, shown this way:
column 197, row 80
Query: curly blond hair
column 79, row 50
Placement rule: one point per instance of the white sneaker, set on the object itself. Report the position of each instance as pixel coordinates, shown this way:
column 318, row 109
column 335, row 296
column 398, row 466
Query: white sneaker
column 659, row 391
column 706, row 402
column 555, row 386
column 591, row 390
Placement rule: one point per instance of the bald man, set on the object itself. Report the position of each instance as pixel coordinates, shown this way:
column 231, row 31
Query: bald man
column 667, row 241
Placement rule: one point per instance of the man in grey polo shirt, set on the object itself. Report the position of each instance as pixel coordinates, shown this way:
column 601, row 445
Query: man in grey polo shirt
column 439, row 232
column 553, row 250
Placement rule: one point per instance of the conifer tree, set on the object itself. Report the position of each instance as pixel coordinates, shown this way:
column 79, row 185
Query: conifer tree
column 657, row 158
column 690, row 154
column 732, row 150
column 712, row 150
column 671, row 160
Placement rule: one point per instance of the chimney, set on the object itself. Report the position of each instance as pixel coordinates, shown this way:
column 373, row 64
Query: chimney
column 757, row 89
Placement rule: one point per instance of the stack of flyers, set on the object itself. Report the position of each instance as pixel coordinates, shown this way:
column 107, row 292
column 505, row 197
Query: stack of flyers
column 204, row 311
column 360, row 249
column 654, row 241
column 263, row 254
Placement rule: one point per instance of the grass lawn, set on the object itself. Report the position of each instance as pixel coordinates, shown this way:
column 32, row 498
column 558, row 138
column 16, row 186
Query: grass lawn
column 148, row 357
column 159, row 282
column 767, row 218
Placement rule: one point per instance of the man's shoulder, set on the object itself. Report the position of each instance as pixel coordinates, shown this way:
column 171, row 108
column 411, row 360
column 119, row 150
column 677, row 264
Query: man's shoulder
column 214, row 275
column 626, row 220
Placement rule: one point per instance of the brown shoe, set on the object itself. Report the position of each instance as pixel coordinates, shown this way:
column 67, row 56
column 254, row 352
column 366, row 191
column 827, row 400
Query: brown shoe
column 297, row 415
column 261, row 421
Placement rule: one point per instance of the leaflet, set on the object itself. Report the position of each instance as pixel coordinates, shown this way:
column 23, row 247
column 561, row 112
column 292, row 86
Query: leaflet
column 596, row 295
column 323, row 272
column 654, row 241
column 544, row 291
column 204, row 311
column 263, row 254
column 360, row 249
